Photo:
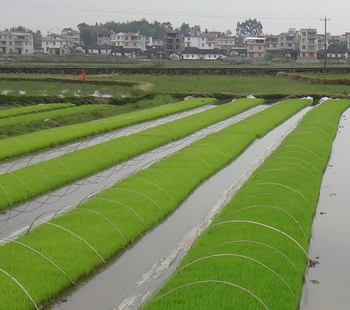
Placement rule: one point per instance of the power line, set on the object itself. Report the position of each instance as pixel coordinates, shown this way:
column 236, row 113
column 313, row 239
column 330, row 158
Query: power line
column 158, row 13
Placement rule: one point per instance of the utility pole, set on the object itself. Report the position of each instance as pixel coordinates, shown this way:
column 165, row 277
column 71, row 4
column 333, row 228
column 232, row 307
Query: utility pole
column 325, row 39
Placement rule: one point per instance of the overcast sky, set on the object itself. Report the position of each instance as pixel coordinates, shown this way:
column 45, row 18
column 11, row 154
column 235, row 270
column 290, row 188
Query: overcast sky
column 276, row 16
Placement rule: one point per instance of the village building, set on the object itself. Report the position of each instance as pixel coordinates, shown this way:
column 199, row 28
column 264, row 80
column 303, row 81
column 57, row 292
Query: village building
column 194, row 53
column 56, row 44
column 308, row 45
column 16, row 42
column 256, row 47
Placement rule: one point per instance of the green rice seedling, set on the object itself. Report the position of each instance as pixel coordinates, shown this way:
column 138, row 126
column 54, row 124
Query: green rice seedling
column 257, row 85
column 85, row 237
column 68, row 89
column 20, row 145
column 33, row 180
column 15, row 111
column 254, row 253
column 10, row 121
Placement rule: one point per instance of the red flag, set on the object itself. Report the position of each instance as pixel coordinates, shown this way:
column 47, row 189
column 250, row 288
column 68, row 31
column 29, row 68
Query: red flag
column 83, row 75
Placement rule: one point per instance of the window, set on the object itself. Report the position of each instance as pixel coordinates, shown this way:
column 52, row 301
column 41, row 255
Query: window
column 259, row 47
column 282, row 44
column 250, row 47
column 303, row 47
column 202, row 44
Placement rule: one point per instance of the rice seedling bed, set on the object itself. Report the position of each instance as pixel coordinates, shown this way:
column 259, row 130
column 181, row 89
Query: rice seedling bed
column 73, row 244
column 253, row 254
column 35, row 141
column 10, row 111
column 44, row 116
column 36, row 179
column 112, row 109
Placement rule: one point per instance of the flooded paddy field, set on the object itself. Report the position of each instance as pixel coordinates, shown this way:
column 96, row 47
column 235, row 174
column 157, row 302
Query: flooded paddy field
column 123, row 283
column 140, row 269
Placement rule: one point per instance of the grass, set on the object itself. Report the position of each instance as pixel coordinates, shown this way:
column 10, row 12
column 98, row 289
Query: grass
column 15, row 146
column 36, row 179
column 85, row 237
column 253, row 255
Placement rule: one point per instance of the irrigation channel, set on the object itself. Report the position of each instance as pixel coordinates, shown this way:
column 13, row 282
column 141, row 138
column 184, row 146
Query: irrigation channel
column 30, row 214
column 327, row 282
column 124, row 283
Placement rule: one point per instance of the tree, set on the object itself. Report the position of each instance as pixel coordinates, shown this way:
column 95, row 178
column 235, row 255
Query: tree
column 195, row 30
column 249, row 28
column 86, row 34
column 168, row 26
column 228, row 33
column 20, row 28
column 185, row 28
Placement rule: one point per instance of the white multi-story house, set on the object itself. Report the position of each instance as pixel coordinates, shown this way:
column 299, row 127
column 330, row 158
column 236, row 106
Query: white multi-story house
column 69, row 33
column 308, row 44
column 56, row 44
column 16, row 42
column 129, row 40
column 205, row 41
